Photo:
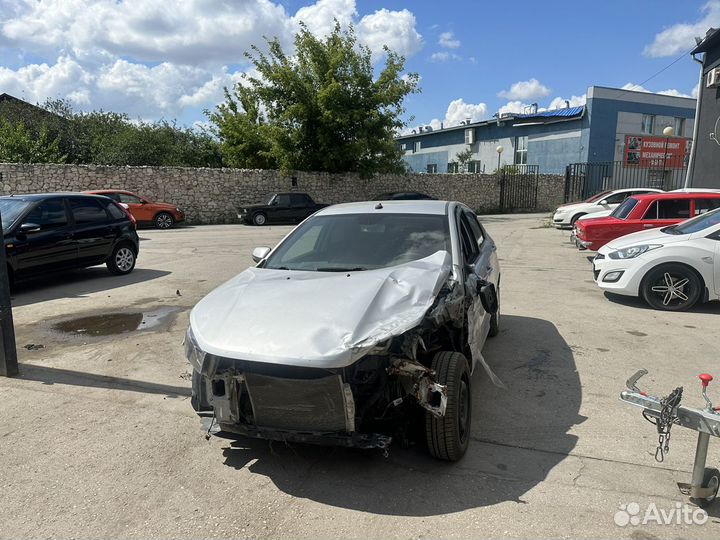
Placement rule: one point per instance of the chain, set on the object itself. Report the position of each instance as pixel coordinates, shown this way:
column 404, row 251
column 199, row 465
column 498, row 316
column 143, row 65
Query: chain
column 665, row 421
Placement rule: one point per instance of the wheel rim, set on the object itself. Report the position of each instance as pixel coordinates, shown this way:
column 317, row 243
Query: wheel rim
column 124, row 259
column 164, row 221
column 260, row 219
column 713, row 484
column 672, row 290
column 464, row 410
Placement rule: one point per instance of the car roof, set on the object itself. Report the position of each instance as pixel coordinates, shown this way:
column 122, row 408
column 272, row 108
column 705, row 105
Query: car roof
column 676, row 195
column 623, row 190
column 390, row 207
column 101, row 191
column 41, row 196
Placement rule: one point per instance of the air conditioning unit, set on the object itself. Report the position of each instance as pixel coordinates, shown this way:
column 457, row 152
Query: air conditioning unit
column 713, row 78
column 469, row 136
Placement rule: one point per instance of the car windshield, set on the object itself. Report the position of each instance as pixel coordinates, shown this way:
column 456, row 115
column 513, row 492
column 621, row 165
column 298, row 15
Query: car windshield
column 355, row 242
column 10, row 210
column 267, row 200
column 696, row 224
column 598, row 196
column 623, row 211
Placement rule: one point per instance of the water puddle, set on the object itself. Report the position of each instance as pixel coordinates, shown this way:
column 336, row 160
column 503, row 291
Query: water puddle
column 115, row 323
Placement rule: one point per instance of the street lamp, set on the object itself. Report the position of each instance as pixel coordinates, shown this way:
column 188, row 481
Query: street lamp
column 669, row 131
column 499, row 151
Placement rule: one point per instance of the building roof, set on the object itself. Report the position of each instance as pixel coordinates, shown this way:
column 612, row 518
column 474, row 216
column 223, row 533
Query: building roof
column 565, row 112
column 710, row 41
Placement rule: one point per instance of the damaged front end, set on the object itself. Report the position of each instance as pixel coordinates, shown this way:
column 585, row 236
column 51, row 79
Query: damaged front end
column 363, row 405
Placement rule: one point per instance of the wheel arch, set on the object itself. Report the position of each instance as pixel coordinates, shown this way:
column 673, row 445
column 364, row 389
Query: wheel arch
column 705, row 294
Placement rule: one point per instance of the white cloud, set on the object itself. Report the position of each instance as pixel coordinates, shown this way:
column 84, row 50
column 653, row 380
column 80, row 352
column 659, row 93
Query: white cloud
column 668, row 92
column 444, row 56
column 680, row 37
column 154, row 58
column 513, row 107
column 695, row 91
column 448, row 40
column 575, row 101
column 523, row 90
column 457, row 112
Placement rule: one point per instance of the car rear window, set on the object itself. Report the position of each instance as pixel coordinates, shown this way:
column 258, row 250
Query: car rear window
column 623, row 211
column 706, row 205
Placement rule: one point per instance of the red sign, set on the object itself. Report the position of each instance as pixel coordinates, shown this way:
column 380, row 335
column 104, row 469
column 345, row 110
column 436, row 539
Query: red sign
column 662, row 152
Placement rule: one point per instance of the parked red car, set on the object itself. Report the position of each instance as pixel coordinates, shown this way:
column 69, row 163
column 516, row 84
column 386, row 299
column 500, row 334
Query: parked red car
column 641, row 212
column 161, row 215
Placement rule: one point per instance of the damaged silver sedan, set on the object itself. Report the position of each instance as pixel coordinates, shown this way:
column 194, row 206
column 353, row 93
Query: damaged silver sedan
column 363, row 324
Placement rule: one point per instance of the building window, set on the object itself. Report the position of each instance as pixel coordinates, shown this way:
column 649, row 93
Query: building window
column 473, row 167
column 648, row 124
column 469, row 136
column 453, row 167
column 417, row 146
column 521, row 150
column 403, row 147
column 679, row 127
column 432, row 167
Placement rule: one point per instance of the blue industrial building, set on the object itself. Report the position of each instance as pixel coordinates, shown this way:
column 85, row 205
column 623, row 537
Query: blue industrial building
column 605, row 129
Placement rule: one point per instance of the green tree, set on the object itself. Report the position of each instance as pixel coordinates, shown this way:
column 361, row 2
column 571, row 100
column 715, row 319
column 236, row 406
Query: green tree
column 19, row 145
column 464, row 157
column 322, row 109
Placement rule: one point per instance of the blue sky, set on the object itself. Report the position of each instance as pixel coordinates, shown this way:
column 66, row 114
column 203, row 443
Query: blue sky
column 171, row 58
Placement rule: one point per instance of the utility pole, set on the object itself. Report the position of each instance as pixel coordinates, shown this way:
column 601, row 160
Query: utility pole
column 8, row 352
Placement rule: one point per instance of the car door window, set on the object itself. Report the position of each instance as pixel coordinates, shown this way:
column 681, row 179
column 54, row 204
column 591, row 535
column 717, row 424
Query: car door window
column 475, row 226
column 617, row 198
column 282, row 200
column 87, row 211
column 113, row 196
column 298, row 200
column 468, row 241
column 129, row 199
column 673, row 209
column 48, row 214
column 705, row 205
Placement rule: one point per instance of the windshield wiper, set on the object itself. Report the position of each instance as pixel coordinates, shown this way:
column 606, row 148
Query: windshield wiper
column 340, row 269
column 670, row 230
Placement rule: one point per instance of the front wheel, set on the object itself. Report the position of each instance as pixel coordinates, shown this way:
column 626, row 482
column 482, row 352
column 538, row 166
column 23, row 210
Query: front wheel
column 164, row 221
column 448, row 437
column 122, row 260
column 711, row 480
column 671, row 287
column 259, row 219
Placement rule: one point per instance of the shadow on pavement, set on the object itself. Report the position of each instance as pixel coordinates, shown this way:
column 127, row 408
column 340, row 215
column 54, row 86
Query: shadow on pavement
column 50, row 375
column 519, row 435
column 711, row 308
column 77, row 283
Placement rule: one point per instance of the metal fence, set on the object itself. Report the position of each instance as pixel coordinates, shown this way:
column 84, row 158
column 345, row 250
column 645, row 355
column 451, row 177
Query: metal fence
column 518, row 187
column 582, row 180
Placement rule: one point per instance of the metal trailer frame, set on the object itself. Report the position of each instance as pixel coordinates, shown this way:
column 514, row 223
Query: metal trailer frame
column 704, row 483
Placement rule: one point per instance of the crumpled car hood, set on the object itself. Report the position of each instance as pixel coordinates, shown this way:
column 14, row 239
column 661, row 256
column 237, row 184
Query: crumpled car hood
column 316, row 319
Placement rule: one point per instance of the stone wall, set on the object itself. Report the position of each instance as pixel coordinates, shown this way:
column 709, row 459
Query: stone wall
column 212, row 195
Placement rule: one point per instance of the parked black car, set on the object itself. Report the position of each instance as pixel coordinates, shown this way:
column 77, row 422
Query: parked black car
column 404, row 196
column 280, row 208
column 59, row 231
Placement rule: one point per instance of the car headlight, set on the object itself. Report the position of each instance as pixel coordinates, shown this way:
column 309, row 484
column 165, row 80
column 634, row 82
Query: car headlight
column 193, row 352
column 633, row 251
column 560, row 211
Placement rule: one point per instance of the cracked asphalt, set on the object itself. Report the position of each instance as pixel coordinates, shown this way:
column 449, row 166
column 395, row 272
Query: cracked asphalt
column 98, row 439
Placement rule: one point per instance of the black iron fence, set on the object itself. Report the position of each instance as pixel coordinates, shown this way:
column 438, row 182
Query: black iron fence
column 518, row 187
column 582, row 180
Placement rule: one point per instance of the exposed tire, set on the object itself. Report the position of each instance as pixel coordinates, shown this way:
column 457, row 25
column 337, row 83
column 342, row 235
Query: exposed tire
column 164, row 221
column 672, row 287
column 122, row 261
column 495, row 320
column 575, row 218
column 259, row 219
column 448, row 437
column 711, row 479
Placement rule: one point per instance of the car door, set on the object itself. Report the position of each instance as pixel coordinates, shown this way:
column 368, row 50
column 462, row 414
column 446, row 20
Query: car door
column 49, row 246
column 302, row 206
column 93, row 230
column 139, row 208
column 478, row 265
column 281, row 208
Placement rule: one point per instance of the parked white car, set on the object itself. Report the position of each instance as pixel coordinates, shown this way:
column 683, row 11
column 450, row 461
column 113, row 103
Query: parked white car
column 671, row 268
column 567, row 214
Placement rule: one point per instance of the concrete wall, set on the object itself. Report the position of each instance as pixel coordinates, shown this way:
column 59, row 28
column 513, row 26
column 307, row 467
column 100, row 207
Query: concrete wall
column 212, row 195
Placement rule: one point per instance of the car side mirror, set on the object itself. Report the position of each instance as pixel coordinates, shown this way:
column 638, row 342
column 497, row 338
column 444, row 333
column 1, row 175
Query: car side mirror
column 259, row 253
column 27, row 228
column 603, row 202
column 488, row 296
